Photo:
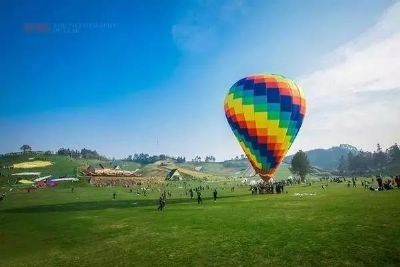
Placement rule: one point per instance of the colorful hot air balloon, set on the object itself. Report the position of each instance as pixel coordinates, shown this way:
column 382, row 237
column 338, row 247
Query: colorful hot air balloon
column 265, row 113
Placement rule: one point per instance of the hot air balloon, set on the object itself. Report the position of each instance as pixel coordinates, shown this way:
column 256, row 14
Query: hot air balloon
column 265, row 113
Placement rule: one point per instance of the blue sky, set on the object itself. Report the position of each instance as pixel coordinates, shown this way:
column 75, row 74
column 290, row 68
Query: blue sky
column 125, row 77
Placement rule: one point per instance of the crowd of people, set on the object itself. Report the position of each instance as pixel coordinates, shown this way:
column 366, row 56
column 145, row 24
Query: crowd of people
column 118, row 181
column 387, row 184
column 382, row 183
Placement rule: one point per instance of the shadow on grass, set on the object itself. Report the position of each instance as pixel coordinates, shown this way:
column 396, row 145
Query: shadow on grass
column 100, row 205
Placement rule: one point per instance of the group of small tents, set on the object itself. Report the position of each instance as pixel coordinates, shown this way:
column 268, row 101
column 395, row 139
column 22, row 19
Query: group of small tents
column 39, row 182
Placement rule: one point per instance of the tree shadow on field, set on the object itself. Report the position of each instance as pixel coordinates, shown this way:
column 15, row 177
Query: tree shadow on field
column 101, row 205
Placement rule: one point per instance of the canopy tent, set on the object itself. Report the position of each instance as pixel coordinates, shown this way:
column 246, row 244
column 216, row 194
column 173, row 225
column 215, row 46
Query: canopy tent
column 255, row 181
column 24, row 181
column 65, row 179
column 26, row 174
column 198, row 168
column 42, row 178
column 174, row 175
column 249, row 172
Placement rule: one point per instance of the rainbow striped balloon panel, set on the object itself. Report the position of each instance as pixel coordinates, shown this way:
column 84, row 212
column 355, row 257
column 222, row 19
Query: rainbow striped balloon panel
column 265, row 113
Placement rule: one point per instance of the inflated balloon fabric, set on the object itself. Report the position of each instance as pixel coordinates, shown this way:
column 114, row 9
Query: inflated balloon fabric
column 265, row 113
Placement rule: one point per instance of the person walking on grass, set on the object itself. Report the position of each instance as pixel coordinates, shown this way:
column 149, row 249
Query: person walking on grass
column 215, row 193
column 161, row 203
column 199, row 199
column 114, row 195
column 72, row 189
column 191, row 193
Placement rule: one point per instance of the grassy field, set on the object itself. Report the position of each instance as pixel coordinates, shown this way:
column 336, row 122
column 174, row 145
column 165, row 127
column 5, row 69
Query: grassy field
column 335, row 227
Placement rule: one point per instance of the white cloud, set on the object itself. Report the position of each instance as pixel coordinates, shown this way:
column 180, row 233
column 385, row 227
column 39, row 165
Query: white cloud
column 355, row 97
column 352, row 98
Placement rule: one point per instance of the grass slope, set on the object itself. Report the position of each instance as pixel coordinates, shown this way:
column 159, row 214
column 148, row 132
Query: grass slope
column 336, row 227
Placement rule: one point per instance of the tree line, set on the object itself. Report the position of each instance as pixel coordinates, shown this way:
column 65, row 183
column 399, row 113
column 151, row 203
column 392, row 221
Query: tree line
column 206, row 159
column 144, row 158
column 84, row 153
column 378, row 162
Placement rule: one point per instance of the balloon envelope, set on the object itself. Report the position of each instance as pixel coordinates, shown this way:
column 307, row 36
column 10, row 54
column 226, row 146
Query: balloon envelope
column 265, row 113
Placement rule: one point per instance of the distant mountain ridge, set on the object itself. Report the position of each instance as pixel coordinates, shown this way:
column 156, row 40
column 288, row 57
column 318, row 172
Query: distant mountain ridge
column 327, row 159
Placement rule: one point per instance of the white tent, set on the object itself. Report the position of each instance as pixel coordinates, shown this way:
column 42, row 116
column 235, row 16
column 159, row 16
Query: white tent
column 42, row 178
column 174, row 175
column 65, row 179
column 27, row 174
column 198, row 168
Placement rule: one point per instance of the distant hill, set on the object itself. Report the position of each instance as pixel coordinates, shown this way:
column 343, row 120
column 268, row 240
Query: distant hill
column 327, row 159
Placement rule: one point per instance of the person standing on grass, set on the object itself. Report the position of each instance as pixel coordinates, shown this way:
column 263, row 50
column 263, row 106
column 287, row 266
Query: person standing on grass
column 215, row 193
column 114, row 195
column 191, row 193
column 164, row 203
column 161, row 203
column 72, row 189
column 397, row 180
column 199, row 199
column 380, row 182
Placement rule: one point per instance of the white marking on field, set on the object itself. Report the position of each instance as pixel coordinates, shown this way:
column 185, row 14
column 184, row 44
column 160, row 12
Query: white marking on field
column 305, row 194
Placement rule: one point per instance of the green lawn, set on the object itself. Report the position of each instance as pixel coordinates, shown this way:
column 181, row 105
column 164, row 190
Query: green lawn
column 336, row 227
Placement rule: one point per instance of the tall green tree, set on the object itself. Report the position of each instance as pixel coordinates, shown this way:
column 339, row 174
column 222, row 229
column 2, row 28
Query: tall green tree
column 394, row 154
column 210, row 159
column 25, row 148
column 300, row 165
column 379, row 158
